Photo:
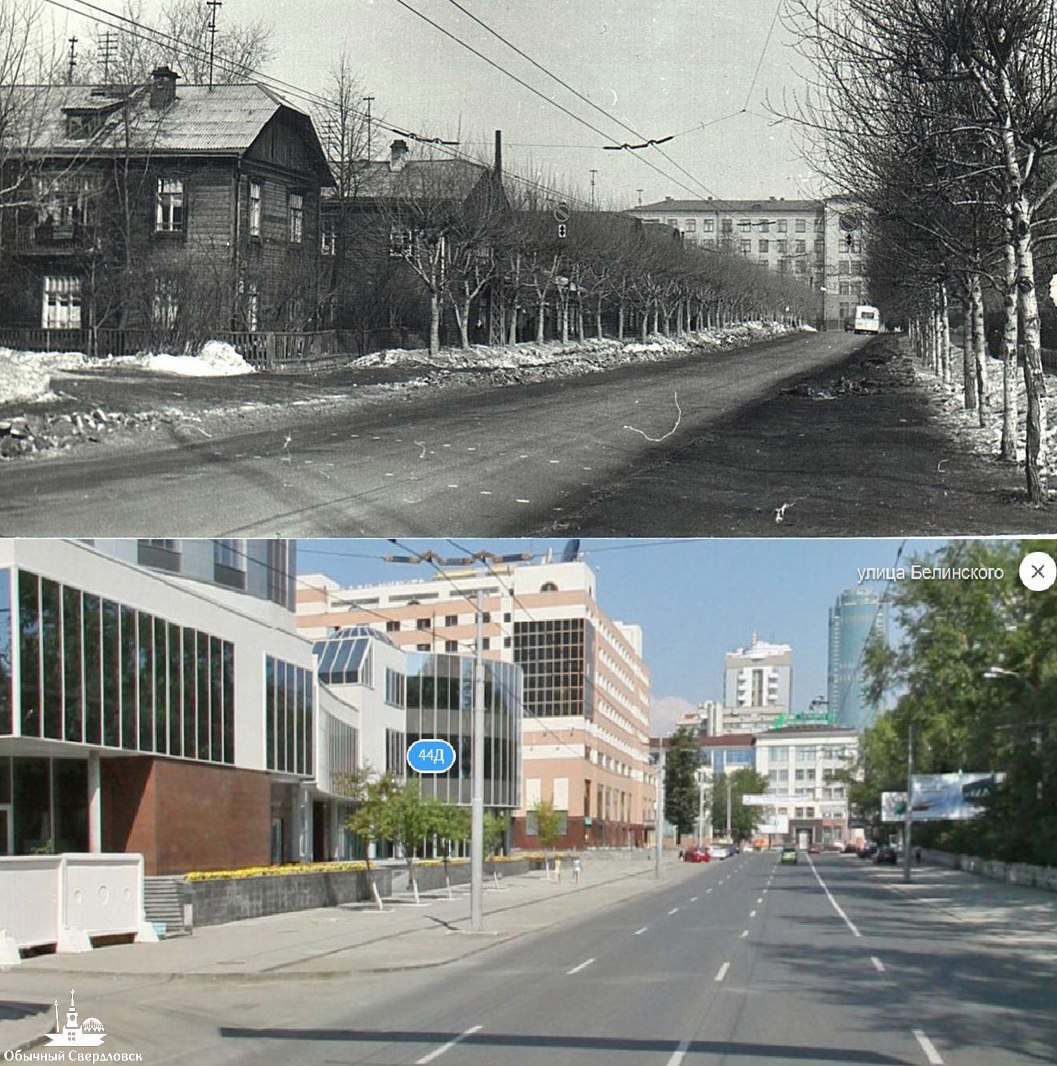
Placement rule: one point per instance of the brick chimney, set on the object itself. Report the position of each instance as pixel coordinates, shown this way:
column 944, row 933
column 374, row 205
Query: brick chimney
column 398, row 153
column 162, row 88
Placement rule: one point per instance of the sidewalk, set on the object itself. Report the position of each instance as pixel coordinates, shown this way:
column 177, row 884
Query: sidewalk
column 335, row 942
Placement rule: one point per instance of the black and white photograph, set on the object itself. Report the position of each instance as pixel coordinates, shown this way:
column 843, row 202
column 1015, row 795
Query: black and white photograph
column 409, row 266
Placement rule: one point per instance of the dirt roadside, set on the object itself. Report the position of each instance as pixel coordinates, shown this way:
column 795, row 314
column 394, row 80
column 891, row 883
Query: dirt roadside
column 875, row 447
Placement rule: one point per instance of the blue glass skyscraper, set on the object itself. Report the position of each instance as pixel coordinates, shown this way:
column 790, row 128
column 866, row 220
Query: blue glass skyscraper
column 857, row 613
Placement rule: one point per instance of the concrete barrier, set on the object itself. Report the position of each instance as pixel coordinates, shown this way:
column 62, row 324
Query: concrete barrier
column 1014, row 873
column 65, row 900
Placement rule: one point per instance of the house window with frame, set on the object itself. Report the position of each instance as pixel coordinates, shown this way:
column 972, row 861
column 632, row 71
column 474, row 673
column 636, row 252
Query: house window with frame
column 169, row 213
column 727, row 225
column 165, row 304
column 746, row 245
column 764, row 246
column 801, row 225
column 783, row 247
column 690, row 225
column 256, row 198
column 400, row 242
column 63, row 204
column 708, row 225
column 801, row 247
column 61, row 303
column 744, row 225
column 765, row 226
column 328, row 236
column 295, row 207
column 783, row 225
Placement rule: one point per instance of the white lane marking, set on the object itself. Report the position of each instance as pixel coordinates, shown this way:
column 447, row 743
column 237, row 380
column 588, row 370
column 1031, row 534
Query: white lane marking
column 928, row 1047
column 759, row 899
column 744, row 933
column 723, row 971
column 836, row 906
column 878, row 965
column 582, row 966
column 673, row 910
column 752, row 914
column 639, row 932
column 436, row 1054
column 680, row 1053
column 764, row 892
column 693, row 899
column 707, row 890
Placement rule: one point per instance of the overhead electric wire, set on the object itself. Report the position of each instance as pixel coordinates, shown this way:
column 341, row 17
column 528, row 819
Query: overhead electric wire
column 763, row 53
column 156, row 36
column 492, row 63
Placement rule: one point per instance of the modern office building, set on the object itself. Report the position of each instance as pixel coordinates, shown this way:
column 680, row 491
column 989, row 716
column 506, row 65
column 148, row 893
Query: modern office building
column 757, row 687
column 800, row 764
column 585, row 724
column 858, row 614
column 155, row 697
column 818, row 242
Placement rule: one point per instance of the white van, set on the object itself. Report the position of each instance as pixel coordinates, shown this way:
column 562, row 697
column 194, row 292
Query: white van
column 867, row 319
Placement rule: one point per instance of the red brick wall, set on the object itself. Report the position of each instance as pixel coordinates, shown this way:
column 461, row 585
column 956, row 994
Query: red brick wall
column 186, row 816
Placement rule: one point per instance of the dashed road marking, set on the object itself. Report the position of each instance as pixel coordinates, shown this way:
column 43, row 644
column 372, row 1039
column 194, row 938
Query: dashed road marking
column 582, row 966
column 878, row 965
column 673, row 910
column 752, row 914
column 693, row 899
column 723, row 971
column 744, row 933
column 639, row 932
column 436, row 1053
column 759, row 899
column 928, row 1047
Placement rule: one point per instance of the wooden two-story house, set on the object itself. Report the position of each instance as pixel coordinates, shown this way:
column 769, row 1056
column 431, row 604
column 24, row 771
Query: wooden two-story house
column 173, row 211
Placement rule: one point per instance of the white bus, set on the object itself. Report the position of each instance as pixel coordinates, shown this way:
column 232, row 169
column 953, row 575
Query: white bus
column 867, row 319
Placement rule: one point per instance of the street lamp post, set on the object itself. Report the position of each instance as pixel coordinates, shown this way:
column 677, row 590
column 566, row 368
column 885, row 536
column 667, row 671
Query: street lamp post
column 908, row 813
column 700, row 806
column 726, row 774
column 659, row 814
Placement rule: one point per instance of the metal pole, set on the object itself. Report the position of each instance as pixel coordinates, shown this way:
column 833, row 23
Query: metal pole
column 659, row 816
column 477, row 795
column 910, row 804
column 700, row 807
column 726, row 774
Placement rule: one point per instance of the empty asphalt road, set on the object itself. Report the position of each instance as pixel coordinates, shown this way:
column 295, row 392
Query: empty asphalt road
column 503, row 462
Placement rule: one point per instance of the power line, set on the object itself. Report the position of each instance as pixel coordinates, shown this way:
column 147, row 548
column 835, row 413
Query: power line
column 155, row 36
column 759, row 62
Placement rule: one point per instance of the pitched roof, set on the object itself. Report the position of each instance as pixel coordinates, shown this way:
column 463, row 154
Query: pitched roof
column 451, row 179
column 765, row 204
column 226, row 119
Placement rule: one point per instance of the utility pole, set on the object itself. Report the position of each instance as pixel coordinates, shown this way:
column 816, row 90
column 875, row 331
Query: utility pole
column 593, row 173
column 700, row 806
column 369, row 100
column 477, row 793
column 908, row 813
column 477, row 740
column 659, row 815
column 212, row 5
column 639, row 191
column 107, row 45
column 73, row 61
column 726, row 774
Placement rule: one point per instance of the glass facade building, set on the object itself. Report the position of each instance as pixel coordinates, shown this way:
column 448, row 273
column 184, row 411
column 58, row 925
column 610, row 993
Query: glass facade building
column 857, row 614
column 440, row 706
column 557, row 658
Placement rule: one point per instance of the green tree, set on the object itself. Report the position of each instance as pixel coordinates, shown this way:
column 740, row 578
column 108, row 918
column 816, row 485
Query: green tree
column 451, row 823
column 743, row 819
column 975, row 677
column 495, row 829
column 548, row 827
column 681, row 798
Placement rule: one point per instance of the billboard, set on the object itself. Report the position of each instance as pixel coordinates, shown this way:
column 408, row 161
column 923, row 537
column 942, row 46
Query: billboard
column 940, row 797
column 777, row 826
column 768, row 799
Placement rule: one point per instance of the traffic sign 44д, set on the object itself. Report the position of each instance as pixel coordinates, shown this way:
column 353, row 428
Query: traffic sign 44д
column 430, row 756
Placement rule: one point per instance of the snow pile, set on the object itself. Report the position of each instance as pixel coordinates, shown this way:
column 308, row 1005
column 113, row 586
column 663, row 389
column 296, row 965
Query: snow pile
column 216, row 359
column 26, row 376
column 604, row 352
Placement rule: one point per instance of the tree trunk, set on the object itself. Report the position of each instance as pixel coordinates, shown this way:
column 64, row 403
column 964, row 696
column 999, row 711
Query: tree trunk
column 968, row 357
column 979, row 347
column 463, row 316
column 1010, row 339
column 945, row 335
column 434, row 323
column 620, row 321
column 644, row 330
column 541, row 309
column 512, row 336
column 565, row 320
column 598, row 318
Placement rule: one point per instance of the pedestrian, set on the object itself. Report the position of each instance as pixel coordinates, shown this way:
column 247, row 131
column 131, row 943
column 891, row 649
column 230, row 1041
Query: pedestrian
column 917, row 856
column 576, row 871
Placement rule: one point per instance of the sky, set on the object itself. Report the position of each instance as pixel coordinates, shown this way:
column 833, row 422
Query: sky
column 695, row 599
column 702, row 71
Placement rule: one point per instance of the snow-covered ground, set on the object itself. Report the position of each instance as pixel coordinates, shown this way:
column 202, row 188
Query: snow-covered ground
column 27, row 376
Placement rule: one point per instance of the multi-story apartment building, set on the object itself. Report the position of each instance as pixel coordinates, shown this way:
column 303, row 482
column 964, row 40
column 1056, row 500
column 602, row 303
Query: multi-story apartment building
column 758, row 686
column 857, row 615
column 800, row 763
column 819, row 242
column 585, row 724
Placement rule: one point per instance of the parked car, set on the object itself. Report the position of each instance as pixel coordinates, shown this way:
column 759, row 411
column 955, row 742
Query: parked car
column 886, row 853
column 719, row 851
column 814, row 848
column 788, row 853
column 851, row 848
column 695, row 855
column 836, row 845
column 868, row 850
